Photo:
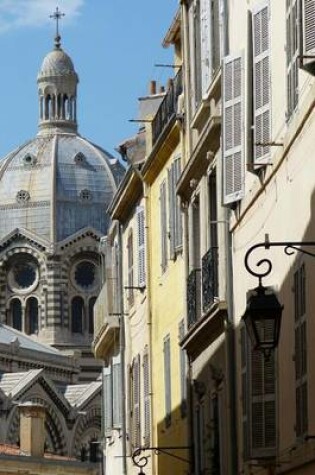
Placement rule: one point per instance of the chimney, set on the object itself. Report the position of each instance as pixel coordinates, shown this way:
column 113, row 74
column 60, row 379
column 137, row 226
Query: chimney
column 152, row 89
column 32, row 429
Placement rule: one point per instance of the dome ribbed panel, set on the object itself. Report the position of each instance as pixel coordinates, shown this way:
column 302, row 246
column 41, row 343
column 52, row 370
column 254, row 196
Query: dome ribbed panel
column 32, row 214
column 92, row 174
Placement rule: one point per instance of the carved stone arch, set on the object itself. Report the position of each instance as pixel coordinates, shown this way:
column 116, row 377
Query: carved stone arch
column 56, row 438
column 88, row 428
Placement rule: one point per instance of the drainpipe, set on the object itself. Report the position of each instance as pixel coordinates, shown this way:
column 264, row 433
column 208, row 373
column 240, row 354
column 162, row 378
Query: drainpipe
column 231, row 353
column 122, row 348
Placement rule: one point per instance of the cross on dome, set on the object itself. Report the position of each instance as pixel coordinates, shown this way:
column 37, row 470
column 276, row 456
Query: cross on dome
column 57, row 15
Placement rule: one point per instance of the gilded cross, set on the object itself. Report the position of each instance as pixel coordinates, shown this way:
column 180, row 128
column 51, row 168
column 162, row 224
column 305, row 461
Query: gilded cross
column 57, row 15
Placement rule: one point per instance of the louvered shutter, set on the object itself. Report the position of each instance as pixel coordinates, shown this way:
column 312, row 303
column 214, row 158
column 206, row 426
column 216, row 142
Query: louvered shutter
column 146, row 399
column 308, row 10
column 261, row 82
column 292, row 56
column 130, row 268
column 171, row 210
column 136, row 402
column 117, row 396
column 141, row 246
column 178, row 214
column 163, row 224
column 233, row 129
column 263, row 405
column 107, row 400
column 205, row 43
column 183, row 369
column 167, row 379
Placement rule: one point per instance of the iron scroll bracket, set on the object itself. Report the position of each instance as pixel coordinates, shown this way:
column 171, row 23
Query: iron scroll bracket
column 263, row 267
column 141, row 460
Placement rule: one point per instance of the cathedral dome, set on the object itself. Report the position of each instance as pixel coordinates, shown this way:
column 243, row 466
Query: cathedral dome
column 56, row 63
column 55, row 185
column 58, row 183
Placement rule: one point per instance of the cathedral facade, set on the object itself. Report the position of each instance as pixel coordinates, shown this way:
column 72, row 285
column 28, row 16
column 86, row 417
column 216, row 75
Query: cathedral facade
column 54, row 194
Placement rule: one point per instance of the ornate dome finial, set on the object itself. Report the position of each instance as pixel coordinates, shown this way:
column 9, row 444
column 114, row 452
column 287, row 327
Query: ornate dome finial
column 57, row 15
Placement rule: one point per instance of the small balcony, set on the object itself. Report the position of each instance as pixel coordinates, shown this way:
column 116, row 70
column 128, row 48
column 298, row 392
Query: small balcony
column 210, row 284
column 168, row 107
column 106, row 321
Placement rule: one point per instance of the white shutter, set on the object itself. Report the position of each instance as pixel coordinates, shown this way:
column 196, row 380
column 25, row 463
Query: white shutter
column 141, row 246
column 261, row 82
column 146, row 398
column 117, row 396
column 107, row 400
column 233, row 129
column 171, row 210
column 136, row 402
column 205, row 41
column 178, row 214
column 308, row 11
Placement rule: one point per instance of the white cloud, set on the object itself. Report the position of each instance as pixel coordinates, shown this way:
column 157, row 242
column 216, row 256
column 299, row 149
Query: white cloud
column 20, row 13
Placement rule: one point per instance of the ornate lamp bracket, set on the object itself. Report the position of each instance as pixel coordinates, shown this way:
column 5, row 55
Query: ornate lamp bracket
column 140, row 460
column 263, row 267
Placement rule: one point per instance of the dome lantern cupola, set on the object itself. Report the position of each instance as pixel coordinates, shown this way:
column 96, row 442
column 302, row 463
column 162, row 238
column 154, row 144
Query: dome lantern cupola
column 57, row 88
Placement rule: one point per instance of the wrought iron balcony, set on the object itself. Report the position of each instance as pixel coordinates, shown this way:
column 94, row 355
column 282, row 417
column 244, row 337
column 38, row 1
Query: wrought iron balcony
column 168, row 107
column 209, row 266
column 193, row 296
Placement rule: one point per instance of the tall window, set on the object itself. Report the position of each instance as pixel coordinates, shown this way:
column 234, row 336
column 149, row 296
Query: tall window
column 77, row 315
column 301, row 386
column 175, row 218
column 292, row 55
column 167, row 380
column 146, row 398
column 91, row 315
column 141, row 246
column 31, row 316
column 16, row 314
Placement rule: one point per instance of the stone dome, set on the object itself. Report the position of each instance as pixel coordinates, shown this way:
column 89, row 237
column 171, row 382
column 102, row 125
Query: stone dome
column 55, row 185
column 56, row 63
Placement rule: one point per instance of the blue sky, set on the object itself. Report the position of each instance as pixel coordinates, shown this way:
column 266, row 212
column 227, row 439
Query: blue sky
column 114, row 45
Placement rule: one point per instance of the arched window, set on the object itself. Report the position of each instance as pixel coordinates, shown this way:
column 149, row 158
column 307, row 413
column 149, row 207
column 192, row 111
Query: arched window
column 31, row 316
column 91, row 314
column 16, row 314
column 77, row 315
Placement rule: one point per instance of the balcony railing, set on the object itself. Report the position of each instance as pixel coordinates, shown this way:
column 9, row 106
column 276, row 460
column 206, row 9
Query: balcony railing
column 209, row 266
column 193, row 296
column 168, row 107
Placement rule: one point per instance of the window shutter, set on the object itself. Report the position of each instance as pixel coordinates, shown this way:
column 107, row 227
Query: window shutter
column 308, row 18
column 206, row 66
column 183, row 370
column 163, row 226
column 141, row 246
column 178, row 214
column 233, row 139
column 263, row 405
column 292, row 56
column 167, row 379
column 146, row 397
column 171, row 209
column 117, row 396
column 107, row 399
column 130, row 268
column 261, row 82
column 136, row 402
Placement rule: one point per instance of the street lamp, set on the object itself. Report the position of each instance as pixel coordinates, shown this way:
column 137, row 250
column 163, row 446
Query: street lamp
column 262, row 318
column 263, row 312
